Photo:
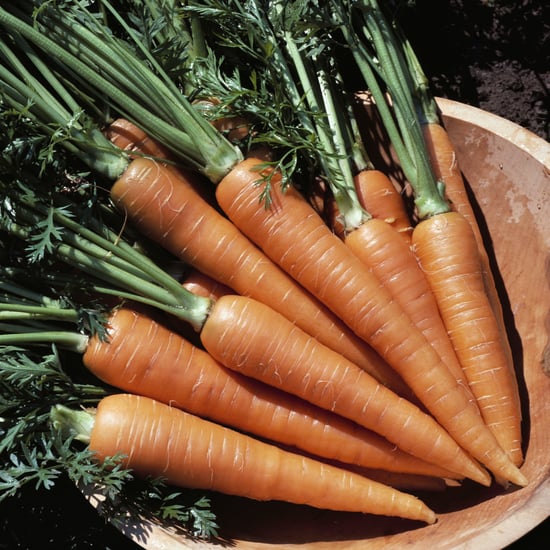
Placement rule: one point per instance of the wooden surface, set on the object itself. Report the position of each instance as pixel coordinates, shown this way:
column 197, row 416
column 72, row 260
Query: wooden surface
column 508, row 170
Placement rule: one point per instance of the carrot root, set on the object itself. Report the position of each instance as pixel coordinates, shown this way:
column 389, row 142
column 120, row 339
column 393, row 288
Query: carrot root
column 296, row 363
column 161, row 441
column 447, row 251
column 294, row 236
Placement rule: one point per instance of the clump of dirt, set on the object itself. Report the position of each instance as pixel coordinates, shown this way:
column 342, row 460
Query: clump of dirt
column 489, row 54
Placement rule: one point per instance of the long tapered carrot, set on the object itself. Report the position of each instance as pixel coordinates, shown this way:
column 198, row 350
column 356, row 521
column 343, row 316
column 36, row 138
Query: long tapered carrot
column 218, row 171
column 445, row 164
column 380, row 198
column 441, row 244
column 172, row 234
column 144, row 357
column 160, row 441
column 433, row 144
column 391, row 259
column 297, row 363
column 165, row 207
column 295, row 237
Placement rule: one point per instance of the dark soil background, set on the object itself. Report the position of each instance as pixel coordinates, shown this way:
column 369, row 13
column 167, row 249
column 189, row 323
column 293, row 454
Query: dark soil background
column 491, row 54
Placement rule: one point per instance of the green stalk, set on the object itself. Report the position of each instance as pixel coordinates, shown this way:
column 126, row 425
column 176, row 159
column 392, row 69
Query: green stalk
column 338, row 150
column 163, row 293
column 19, row 305
column 76, row 424
column 68, row 340
column 381, row 60
column 48, row 107
column 181, row 128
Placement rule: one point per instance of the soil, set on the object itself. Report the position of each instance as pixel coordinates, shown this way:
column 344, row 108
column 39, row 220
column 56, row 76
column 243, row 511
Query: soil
column 489, row 54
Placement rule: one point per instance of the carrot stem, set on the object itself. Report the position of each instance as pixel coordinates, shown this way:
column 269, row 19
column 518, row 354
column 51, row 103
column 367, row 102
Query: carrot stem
column 182, row 128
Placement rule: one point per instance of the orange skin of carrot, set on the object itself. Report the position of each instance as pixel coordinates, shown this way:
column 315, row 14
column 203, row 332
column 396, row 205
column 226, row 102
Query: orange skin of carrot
column 392, row 261
column 165, row 206
column 381, row 199
column 294, row 362
column 446, row 169
column 293, row 235
column 447, row 251
column 187, row 451
column 202, row 285
column 130, row 138
column 178, row 373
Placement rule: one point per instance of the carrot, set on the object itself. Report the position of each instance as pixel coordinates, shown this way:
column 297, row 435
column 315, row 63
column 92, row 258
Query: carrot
column 164, row 442
column 381, row 199
column 435, row 148
column 442, row 244
column 295, row 237
column 165, row 207
column 202, row 285
column 215, row 158
column 444, row 161
column 180, row 374
column 400, row 91
column 183, row 193
column 390, row 258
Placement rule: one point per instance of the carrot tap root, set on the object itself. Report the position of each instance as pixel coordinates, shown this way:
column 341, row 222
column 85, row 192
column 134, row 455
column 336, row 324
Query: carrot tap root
column 447, row 251
column 161, row 441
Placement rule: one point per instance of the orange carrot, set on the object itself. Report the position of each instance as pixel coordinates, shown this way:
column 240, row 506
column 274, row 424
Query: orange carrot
column 390, row 258
column 440, row 171
column 203, row 285
column 180, row 374
column 294, row 236
column 442, row 245
column 380, row 198
column 164, row 206
column 296, row 363
column 160, row 441
column 445, row 165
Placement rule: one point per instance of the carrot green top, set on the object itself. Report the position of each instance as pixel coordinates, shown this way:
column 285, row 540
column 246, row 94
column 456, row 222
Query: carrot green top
column 100, row 63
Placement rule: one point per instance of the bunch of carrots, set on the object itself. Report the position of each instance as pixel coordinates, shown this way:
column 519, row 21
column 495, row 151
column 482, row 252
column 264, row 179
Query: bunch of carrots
column 337, row 339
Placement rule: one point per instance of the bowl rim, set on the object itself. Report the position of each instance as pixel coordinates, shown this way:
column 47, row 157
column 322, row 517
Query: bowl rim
column 523, row 138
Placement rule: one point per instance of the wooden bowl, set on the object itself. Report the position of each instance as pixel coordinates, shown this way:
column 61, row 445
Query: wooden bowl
column 508, row 170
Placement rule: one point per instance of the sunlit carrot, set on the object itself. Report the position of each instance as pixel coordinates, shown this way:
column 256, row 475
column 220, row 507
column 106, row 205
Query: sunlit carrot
column 294, row 236
column 401, row 93
column 144, row 357
column 185, row 225
column 295, row 362
column 445, row 164
column 174, row 234
column 317, row 262
column 433, row 145
column 442, row 245
column 160, row 441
